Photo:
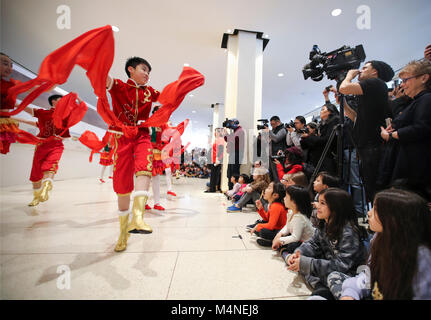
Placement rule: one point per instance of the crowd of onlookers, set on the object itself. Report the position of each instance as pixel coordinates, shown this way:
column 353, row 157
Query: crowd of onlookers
column 310, row 216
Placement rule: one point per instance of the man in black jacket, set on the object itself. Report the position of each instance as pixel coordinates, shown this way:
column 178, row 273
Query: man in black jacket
column 277, row 142
column 235, row 148
column 372, row 110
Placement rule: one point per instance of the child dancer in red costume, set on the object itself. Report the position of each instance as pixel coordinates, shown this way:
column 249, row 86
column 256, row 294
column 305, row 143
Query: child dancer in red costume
column 158, row 165
column 8, row 126
column 131, row 103
column 106, row 161
column 46, row 154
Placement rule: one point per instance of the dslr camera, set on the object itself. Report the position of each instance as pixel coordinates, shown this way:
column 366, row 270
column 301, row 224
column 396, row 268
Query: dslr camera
column 264, row 124
column 280, row 157
column 335, row 64
column 290, row 124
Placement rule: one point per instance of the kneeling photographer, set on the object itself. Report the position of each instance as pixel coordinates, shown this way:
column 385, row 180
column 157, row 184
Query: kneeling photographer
column 372, row 110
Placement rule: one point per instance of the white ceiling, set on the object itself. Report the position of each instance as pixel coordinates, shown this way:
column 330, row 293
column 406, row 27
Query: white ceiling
column 169, row 33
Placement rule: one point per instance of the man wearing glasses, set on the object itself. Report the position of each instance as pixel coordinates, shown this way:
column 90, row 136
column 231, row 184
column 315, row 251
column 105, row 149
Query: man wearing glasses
column 373, row 109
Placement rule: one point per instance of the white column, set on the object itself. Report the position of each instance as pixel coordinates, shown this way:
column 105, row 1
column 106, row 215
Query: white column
column 243, row 95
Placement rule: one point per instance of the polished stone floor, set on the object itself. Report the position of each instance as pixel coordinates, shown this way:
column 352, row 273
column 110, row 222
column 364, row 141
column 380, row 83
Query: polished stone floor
column 63, row 248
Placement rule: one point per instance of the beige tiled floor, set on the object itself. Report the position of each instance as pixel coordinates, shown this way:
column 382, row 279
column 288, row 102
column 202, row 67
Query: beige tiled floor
column 194, row 252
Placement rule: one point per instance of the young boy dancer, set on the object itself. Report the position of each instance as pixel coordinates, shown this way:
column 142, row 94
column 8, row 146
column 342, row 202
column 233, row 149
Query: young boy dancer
column 47, row 154
column 131, row 102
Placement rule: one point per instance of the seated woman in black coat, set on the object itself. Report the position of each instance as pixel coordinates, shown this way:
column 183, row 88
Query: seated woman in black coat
column 412, row 130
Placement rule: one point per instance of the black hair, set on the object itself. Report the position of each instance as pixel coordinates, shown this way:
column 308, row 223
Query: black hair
column 274, row 118
column 54, row 97
column 301, row 197
column 329, row 180
column 342, row 210
column 279, row 189
column 245, row 177
column 236, row 177
column 155, row 109
column 332, row 109
column 406, row 225
column 293, row 158
column 301, row 119
column 134, row 62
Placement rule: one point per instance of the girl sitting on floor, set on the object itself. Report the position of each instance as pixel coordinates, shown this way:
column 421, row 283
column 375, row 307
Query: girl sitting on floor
column 399, row 265
column 337, row 244
column 298, row 227
column 243, row 181
column 274, row 219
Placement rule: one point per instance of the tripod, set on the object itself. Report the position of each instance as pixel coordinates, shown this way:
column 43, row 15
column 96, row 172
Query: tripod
column 338, row 131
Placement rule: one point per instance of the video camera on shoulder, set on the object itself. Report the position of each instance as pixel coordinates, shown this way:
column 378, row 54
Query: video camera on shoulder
column 264, row 124
column 230, row 123
column 335, row 64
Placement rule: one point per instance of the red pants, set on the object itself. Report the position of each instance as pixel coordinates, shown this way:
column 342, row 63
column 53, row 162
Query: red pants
column 132, row 156
column 46, row 158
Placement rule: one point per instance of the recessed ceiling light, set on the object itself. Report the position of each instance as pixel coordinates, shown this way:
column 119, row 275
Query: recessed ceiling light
column 115, row 29
column 280, row 75
column 186, row 65
column 191, row 96
column 265, row 36
column 194, row 111
column 336, row 12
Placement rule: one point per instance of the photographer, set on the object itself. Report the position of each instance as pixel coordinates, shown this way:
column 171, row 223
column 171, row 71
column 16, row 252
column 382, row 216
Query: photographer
column 312, row 150
column 294, row 134
column 235, row 148
column 216, row 161
column 329, row 116
column 277, row 142
column 372, row 110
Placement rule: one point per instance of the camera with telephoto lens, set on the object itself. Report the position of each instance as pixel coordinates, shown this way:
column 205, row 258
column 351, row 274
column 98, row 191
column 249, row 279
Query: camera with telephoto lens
column 290, row 124
column 264, row 124
column 303, row 130
column 335, row 64
column 230, row 123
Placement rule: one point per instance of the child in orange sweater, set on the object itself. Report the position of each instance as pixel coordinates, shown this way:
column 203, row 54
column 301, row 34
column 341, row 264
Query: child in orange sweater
column 273, row 220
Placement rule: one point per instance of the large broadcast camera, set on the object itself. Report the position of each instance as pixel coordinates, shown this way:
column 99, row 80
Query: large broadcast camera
column 264, row 124
column 335, row 64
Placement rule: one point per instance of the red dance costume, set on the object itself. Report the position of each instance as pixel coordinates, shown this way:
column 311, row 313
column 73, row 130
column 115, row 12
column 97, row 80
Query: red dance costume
column 158, row 144
column 47, row 154
column 105, row 157
column 133, row 155
column 8, row 127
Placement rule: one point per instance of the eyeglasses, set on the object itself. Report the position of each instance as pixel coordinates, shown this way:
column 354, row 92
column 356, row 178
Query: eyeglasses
column 406, row 79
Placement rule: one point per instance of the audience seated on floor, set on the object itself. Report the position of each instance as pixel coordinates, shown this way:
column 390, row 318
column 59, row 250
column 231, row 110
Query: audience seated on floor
column 253, row 191
column 323, row 181
column 337, row 244
column 399, row 262
column 274, row 219
column 298, row 227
